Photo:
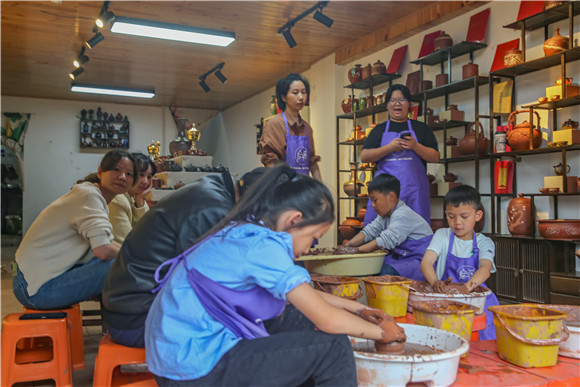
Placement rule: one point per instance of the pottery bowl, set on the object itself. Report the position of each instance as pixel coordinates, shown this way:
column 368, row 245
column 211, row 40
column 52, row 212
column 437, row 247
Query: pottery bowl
column 554, row 97
column 552, row 145
column 543, row 99
column 544, row 190
column 554, row 190
column 561, row 229
column 562, row 143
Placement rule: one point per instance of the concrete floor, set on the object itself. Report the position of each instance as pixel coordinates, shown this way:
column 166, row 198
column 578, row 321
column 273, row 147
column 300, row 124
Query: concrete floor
column 9, row 304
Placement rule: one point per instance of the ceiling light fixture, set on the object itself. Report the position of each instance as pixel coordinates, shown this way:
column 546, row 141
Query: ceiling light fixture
column 319, row 16
column 107, row 17
column 110, row 90
column 92, row 42
column 217, row 72
column 81, row 59
column 178, row 32
column 76, row 72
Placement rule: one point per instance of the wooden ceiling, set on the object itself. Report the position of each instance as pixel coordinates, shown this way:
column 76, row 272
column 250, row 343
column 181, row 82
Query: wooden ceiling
column 41, row 39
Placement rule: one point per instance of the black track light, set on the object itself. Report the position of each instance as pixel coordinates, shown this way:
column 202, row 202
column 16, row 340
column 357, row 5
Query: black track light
column 76, row 72
column 289, row 39
column 221, row 76
column 105, row 18
column 204, row 85
column 322, row 18
column 81, row 59
column 92, row 42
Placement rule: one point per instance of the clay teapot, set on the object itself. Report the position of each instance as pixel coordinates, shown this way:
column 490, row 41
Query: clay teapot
column 520, row 215
column 556, row 43
column 366, row 72
column 451, row 141
column 570, row 124
column 355, row 74
column 450, row 177
column 346, row 104
column 442, row 41
column 378, row 68
column 519, row 135
column 559, row 169
column 467, row 143
column 512, row 57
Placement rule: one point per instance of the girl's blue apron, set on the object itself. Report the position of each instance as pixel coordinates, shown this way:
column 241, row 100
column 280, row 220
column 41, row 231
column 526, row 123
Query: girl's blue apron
column 241, row 311
column 461, row 270
column 297, row 150
column 408, row 167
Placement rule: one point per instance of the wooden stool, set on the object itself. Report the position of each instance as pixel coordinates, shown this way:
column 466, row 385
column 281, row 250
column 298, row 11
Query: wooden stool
column 40, row 363
column 111, row 356
column 77, row 338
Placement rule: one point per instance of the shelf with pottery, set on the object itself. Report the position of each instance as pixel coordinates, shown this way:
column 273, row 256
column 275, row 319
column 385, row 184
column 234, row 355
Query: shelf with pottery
column 373, row 80
column 549, row 16
column 450, row 88
column 542, row 63
column 452, row 52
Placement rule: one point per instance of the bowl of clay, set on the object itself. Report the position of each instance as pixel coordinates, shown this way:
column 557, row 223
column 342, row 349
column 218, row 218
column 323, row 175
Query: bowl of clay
column 421, row 292
column 430, row 356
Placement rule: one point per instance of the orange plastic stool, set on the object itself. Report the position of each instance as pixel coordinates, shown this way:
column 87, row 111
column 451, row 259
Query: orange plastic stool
column 77, row 338
column 112, row 355
column 41, row 363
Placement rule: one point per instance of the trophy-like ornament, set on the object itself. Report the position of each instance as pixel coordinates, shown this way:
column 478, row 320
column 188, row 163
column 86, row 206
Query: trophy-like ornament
column 154, row 149
column 193, row 135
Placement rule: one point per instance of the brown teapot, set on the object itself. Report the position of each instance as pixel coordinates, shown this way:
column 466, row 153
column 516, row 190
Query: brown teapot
column 451, row 141
column 559, row 169
column 519, row 135
column 442, row 41
column 467, row 143
column 520, row 216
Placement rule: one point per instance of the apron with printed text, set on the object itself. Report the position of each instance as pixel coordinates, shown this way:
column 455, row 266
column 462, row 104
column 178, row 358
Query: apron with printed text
column 297, row 150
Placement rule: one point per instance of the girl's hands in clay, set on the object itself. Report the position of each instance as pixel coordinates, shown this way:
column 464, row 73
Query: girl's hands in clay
column 372, row 315
column 391, row 332
column 442, row 286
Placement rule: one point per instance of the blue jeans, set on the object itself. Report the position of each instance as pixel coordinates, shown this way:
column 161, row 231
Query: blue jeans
column 71, row 287
column 389, row 270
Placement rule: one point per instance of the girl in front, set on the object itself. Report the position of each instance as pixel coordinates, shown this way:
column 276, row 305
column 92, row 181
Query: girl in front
column 206, row 325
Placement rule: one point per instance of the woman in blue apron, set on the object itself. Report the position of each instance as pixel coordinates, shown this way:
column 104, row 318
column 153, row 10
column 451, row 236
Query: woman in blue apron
column 206, row 325
column 286, row 136
column 402, row 147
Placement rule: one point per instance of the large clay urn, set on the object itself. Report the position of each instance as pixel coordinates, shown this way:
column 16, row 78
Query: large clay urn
column 352, row 187
column 366, row 72
column 519, row 135
column 378, row 68
column 556, row 43
column 442, row 41
column 355, row 74
column 467, row 143
column 520, row 216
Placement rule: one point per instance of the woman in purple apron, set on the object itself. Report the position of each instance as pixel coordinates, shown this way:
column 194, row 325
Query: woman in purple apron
column 401, row 150
column 206, row 325
column 286, row 136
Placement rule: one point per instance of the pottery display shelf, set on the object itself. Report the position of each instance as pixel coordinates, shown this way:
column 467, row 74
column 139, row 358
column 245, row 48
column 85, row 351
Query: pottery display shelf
column 170, row 178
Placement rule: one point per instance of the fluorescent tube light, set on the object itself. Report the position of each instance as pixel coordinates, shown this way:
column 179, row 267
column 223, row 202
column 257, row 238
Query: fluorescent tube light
column 181, row 33
column 121, row 91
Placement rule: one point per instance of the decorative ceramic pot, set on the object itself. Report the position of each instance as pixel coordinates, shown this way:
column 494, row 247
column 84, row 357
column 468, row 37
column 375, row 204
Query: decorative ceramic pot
column 559, row 169
column 441, row 79
column 556, row 43
column 181, row 143
column 349, row 227
column 352, row 187
column 512, row 57
column 451, row 141
column 562, row 229
column 355, row 74
column 346, row 104
column 369, row 101
column 520, row 215
column 467, row 143
column 470, row 70
column 570, row 124
column 519, row 135
column 442, row 41
column 366, row 72
column 450, row 177
column 378, row 68
column 362, row 103
column 273, row 106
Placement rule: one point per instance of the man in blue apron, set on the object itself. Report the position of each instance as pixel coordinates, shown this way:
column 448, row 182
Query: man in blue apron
column 401, row 147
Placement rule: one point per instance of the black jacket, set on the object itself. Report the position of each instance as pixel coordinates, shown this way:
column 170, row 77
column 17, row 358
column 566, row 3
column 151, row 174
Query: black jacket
column 168, row 229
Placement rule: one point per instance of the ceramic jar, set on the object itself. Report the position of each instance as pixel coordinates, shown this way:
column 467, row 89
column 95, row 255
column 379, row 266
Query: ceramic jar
column 361, row 214
column 520, row 216
column 519, row 135
column 467, row 143
column 570, row 124
column 378, row 68
column 349, row 227
column 346, row 104
column 512, row 57
column 426, row 85
column 362, row 103
column 355, row 74
column 556, row 43
column 366, row 72
column 442, row 41
column 470, row 70
column 273, row 106
column 181, row 143
column 352, row 187
column 441, row 79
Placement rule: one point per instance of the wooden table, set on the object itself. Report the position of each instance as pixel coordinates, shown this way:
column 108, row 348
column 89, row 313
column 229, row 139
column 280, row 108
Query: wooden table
column 483, row 367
